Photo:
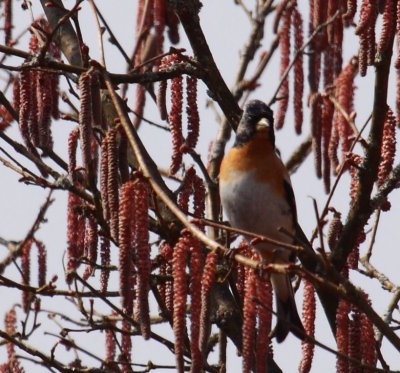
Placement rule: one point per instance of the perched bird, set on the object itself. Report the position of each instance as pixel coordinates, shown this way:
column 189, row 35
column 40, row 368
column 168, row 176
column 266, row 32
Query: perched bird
column 257, row 196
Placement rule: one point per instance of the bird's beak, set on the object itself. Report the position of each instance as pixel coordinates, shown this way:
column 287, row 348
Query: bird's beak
column 262, row 124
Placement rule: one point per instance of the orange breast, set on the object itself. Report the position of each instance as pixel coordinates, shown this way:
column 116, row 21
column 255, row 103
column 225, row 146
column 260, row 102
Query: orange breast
column 258, row 155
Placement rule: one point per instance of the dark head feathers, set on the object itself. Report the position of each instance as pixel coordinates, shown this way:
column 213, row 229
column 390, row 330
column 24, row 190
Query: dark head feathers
column 254, row 111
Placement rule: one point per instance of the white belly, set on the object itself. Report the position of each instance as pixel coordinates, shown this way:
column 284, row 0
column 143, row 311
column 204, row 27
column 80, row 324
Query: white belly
column 252, row 206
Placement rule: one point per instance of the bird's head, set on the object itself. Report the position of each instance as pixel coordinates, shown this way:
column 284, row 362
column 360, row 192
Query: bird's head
column 257, row 117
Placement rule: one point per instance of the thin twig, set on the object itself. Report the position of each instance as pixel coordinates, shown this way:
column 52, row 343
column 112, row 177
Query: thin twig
column 113, row 39
column 388, row 316
column 50, row 361
column 373, row 236
column 99, row 32
column 40, row 218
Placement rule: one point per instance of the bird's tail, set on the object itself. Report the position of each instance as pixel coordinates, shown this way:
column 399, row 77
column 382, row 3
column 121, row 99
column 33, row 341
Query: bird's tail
column 288, row 317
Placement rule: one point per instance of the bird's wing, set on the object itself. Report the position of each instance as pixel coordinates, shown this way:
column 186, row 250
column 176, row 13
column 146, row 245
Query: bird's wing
column 290, row 198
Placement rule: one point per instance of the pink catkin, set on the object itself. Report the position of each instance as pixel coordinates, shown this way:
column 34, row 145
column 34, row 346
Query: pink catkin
column 345, row 94
column 355, row 160
column 342, row 335
column 12, row 365
column 192, row 112
column 366, row 16
column 126, row 249
column 10, row 322
column 192, row 185
column 207, row 281
column 161, row 99
column 42, row 265
column 249, row 320
column 186, row 189
column 316, row 133
column 388, row 147
column 308, row 318
column 398, row 97
column 143, row 263
column 175, row 115
column 331, row 8
column 34, row 110
column 334, row 229
column 72, row 145
column 366, row 31
column 180, row 293
column 94, row 154
column 388, row 152
column 105, row 262
column 335, row 38
column 239, row 279
column 169, row 291
column 367, row 339
column 34, row 41
column 75, row 229
column 363, row 56
column 16, row 94
column 126, row 347
column 44, row 111
column 388, row 26
column 85, row 119
column 319, row 16
column 314, row 64
column 354, row 338
column 333, row 149
column 91, row 240
column 196, row 266
column 33, row 122
column 199, row 193
column 26, row 273
column 104, row 178
column 112, row 181
column 326, row 124
column 165, row 251
column 5, row 118
column 298, row 71
column 175, row 120
column 25, row 106
column 240, row 269
column 351, row 10
column 284, row 34
column 110, row 342
column 264, row 297
column 397, row 62
column 352, row 259
column 44, row 98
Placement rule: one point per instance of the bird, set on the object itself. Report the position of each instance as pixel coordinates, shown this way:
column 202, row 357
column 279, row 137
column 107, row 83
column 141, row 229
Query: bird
column 257, row 196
